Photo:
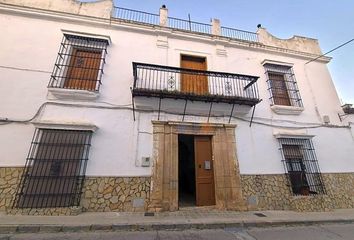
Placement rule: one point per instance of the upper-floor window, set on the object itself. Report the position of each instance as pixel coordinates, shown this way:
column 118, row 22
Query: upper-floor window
column 79, row 64
column 282, row 85
column 302, row 168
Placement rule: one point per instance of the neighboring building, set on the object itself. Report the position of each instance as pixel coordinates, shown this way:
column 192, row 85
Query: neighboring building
column 108, row 109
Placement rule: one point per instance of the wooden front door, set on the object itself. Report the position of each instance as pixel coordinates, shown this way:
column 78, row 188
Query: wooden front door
column 195, row 83
column 83, row 69
column 204, row 171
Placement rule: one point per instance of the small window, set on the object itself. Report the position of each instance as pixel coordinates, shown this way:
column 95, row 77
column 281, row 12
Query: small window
column 79, row 63
column 302, row 168
column 55, row 169
column 282, row 85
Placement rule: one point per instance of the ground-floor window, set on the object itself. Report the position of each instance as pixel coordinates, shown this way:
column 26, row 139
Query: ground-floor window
column 301, row 165
column 55, row 169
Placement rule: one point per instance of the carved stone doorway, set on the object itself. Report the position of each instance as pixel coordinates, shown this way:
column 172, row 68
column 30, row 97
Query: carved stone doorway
column 164, row 181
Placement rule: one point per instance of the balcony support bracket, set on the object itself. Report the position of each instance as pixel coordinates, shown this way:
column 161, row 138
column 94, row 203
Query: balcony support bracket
column 232, row 111
column 158, row 115
column 254, row 108
column 184, row 111
column 133, row 105
column 211, row 105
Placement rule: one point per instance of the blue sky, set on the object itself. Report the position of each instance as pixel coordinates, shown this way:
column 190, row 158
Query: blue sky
column 331, row 22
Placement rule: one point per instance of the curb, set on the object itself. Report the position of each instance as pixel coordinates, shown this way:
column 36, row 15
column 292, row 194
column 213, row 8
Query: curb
column 40, row 228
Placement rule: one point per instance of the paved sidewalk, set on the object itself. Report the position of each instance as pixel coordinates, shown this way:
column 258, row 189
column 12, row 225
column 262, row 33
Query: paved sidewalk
column 197, row 218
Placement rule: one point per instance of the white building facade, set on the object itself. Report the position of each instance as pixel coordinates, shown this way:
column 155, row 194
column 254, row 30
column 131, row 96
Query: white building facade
column 109, row 109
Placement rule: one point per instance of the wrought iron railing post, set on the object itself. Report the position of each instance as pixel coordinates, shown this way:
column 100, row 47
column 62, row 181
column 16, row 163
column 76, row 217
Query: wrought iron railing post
column 189, row 21
column 135, row 74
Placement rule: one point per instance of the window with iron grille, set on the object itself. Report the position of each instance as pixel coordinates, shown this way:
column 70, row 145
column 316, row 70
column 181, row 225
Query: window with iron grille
column 79, row 64
column 301, row 165
column 282, row 85
column 55, row 169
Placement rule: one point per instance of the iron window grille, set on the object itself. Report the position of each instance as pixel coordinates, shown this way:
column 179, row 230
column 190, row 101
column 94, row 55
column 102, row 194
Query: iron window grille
column 79, row 64
column 301, row 165
column 55, row 169
column 282, row 85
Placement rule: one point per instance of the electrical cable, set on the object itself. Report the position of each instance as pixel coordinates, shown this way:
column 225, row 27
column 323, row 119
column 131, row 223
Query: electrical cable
column 108, row 103
column 24, row 69
column 342, row 45
column 124, row 107
column 28, row 120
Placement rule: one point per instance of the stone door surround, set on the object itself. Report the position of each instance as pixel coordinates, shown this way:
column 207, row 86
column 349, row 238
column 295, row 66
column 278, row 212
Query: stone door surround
column 164, row 180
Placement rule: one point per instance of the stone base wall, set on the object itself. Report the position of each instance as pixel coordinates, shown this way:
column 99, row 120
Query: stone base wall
column 266, row 192
column 272, row 192
column 9, row 180
column 98, row 194
column 260, row 192
column 102, row 194
column 340, row 189
column 60, row 211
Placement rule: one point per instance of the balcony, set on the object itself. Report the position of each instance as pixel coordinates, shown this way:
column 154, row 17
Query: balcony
column 157, row 81
column 161, row 82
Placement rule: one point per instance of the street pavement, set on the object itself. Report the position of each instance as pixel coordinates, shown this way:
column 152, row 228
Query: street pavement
column 195, row 218
column 311, row 232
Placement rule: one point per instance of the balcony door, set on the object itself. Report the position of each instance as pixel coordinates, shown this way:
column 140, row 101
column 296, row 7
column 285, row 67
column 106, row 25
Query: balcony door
column 192, row 82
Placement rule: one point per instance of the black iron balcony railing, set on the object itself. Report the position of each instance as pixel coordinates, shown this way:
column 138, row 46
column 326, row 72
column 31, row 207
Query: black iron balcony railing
column 188, row 25
column 180, row 83
column 239, row 34
column 136, row 16
column 130, row 15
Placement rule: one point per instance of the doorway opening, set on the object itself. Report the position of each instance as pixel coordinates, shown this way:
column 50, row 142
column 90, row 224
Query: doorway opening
column 186, row 171
column 195, row 171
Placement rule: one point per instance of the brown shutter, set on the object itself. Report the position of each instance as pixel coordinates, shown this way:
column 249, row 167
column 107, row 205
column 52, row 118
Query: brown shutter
column 83, row 69
column 279, row 89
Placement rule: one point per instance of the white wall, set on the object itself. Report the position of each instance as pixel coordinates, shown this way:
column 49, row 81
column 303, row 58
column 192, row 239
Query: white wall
column 120, row 143
column 258, row 150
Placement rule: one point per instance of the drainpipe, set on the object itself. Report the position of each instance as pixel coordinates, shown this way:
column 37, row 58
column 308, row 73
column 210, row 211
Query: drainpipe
column 351, row 129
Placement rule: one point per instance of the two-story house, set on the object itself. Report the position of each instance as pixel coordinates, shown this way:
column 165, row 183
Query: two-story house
column 111, row 109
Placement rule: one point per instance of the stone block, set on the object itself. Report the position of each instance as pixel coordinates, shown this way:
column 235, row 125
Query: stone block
column 138, row 202
column 8, row 229
column 76, row 228
column 28, row 228
column 101, row 227
column 50, row 228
